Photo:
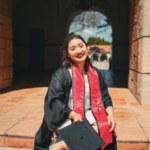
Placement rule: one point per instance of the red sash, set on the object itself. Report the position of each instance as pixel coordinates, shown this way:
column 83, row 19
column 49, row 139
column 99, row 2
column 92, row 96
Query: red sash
column 96, row 101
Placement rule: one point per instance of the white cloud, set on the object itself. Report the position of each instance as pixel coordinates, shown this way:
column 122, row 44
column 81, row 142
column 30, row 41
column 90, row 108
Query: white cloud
column 87, row 31
column 109, row 30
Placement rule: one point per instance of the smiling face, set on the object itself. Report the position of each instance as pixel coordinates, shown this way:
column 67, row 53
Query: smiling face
column 77, row 51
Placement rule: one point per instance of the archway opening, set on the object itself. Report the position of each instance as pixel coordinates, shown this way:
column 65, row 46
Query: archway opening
column 96, row 30
column 103, row 57
column 95, row 57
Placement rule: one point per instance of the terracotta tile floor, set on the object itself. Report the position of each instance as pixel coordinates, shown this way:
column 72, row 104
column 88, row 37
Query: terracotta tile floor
column 21, row 112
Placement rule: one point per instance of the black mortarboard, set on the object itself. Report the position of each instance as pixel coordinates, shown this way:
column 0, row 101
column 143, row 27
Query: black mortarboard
column 81, row 136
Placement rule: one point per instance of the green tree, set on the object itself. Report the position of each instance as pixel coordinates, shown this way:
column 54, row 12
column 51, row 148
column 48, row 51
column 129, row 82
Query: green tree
column 97, row 41
column 71, row 32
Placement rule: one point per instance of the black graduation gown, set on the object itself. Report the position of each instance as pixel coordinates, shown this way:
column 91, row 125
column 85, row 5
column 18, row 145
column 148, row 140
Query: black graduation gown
column 56, row 110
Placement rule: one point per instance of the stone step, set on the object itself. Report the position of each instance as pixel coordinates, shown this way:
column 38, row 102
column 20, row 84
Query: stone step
column 21, row 114
column 12, row 148
column 120, row 146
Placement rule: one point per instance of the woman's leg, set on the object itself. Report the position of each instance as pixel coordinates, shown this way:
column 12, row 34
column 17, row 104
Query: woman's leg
column 61, row 145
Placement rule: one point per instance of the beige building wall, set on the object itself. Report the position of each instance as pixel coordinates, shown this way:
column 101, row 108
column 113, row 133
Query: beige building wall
column 139, row 65
column 6, row 48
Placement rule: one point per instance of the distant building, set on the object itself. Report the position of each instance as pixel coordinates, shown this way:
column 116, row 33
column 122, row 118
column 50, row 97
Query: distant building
column 99, row 52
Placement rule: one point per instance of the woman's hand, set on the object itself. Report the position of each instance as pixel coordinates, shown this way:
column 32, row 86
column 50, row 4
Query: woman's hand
column 75, row 116
column 61, row 145
column 112, row 122
column 111, row 119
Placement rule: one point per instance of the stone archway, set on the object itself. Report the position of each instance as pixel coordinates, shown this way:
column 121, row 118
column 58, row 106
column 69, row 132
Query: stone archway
column 103, row 57
column 117, row 63
column 53, row 17
column 96, row 52
column 77, row 12
column 95, row 57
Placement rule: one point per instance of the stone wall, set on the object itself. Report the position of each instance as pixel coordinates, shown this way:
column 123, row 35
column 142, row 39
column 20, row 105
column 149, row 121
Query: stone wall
column 6, row 48
column 139, row 65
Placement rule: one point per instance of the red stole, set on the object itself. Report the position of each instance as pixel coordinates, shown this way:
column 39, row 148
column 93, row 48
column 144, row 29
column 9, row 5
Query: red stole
column 96, row 101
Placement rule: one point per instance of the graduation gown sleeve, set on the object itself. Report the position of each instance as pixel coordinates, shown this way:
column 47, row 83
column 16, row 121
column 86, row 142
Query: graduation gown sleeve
column 56, row 103
column 56, row 110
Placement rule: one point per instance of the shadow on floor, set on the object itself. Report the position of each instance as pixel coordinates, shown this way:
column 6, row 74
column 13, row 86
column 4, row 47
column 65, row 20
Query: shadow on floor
column 42, row 79
column 116, row 78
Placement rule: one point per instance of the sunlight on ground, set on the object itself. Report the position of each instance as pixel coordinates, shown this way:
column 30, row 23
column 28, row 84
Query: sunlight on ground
column 101, row 65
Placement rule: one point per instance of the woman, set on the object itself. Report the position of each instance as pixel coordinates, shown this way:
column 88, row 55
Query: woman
column 77, row 90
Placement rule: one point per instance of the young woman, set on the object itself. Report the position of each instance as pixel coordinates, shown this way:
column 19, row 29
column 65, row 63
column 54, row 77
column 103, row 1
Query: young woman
column 76, row 91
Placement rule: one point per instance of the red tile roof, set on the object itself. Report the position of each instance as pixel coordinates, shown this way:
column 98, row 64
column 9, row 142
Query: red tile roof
column 100, row 48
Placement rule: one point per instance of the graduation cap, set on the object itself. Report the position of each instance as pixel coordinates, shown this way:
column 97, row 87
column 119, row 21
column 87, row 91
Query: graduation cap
column 81, row 136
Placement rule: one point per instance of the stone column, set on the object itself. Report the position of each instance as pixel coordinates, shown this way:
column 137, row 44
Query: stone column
column 108, row 56
column 99, row 57
column 139, row 65
column 6, row 48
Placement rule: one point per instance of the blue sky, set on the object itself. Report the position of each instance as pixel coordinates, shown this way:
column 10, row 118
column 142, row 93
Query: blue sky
column 92, row 32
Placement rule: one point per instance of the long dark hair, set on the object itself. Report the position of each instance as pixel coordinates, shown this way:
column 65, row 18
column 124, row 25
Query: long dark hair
column 66, row 61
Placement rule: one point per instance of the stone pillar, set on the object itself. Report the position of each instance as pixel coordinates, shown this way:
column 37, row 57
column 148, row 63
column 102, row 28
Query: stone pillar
column 99, row 57
column 108, row 56
column 6, row 48
column 139, row 65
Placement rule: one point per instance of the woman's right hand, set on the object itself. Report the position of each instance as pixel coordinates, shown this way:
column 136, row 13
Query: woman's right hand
column 76, row 117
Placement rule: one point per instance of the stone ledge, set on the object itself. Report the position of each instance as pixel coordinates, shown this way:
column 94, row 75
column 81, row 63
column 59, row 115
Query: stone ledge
column 19, row 142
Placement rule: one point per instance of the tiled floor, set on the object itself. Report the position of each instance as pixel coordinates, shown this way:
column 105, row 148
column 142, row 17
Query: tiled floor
column 21, row 112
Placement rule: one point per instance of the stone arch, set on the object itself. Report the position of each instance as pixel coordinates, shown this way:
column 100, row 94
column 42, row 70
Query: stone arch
column 95, row 57
column 103, row 57
column 93, row 8
column 120, row 30
column 77, row 12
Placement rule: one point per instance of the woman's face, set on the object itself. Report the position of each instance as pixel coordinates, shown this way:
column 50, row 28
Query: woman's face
column 77, row 51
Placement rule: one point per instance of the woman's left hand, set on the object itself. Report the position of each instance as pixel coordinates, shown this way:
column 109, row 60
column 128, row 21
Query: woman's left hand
column 111, row 119
column 111, row 122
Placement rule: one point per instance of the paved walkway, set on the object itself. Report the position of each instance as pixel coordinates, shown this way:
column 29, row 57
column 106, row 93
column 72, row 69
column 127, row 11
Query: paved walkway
column 21, row 112
column 101, row 64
